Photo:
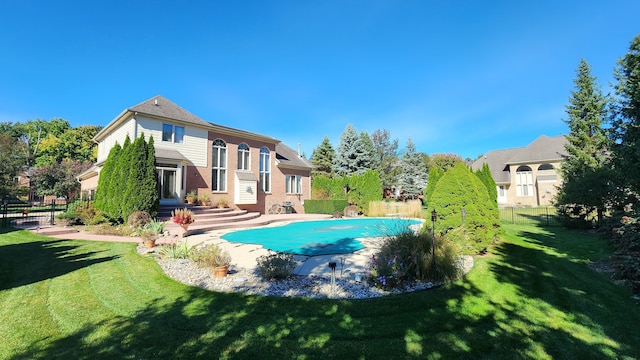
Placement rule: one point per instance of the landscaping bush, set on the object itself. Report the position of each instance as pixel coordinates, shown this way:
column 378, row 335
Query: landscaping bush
column 623, row 233
column 408, row 257
column 138, row 219
column 276, row 266
column 411, row 208
column 210, row 256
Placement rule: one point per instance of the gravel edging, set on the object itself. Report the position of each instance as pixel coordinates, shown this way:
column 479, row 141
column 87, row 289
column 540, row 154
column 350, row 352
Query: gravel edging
column 247, row 281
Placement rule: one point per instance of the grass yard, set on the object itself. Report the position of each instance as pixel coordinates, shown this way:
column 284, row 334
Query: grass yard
column 533, row 296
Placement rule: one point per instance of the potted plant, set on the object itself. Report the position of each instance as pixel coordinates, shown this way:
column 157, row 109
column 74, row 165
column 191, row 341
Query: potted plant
column 205, row 200
column 212, row 256
column 149, row 238
column 183, row 217
column 223, row 203
column 192, row 197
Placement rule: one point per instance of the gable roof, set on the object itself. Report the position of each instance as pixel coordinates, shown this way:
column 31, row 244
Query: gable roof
column 541, row 150
column 163, row 108
column 160, row 106
column 287, row 157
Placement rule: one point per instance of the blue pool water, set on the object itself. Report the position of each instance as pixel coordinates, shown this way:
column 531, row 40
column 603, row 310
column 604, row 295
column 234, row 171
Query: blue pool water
column 320, row 237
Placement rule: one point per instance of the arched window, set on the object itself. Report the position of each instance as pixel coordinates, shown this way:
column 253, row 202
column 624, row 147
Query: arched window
column 545, row 167
column 243, row 157
column 265, row 169
column 219, row 166
column 524, row 181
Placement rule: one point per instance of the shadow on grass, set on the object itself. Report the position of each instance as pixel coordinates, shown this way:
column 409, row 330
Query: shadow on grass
column 26, row 263
column 461, row 320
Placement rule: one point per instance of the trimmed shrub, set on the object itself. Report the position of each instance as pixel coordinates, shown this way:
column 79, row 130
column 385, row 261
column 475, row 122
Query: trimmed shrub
column 460, row 189
column 276, row 266
column 138, row 219
column 329, row 207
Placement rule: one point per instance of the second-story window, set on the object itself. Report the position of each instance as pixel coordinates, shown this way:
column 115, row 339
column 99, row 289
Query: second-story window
column 243, row 157
column 173, row 133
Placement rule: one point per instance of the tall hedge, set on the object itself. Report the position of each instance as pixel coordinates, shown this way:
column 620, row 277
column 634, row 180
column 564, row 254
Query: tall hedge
column 460, row 189
column 484, row 174
column 434, row 175
column 364, row 189
column 325, row 206
column 128, row 181
column 324, row 187
column 102, row 195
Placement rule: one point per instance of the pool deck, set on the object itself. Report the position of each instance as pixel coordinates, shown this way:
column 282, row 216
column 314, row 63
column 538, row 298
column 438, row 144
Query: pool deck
column 244, row 255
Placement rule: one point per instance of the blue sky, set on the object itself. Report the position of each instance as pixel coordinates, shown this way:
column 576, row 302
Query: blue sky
column 460, row 77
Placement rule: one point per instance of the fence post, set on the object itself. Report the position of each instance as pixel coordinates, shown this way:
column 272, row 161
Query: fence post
column 547, row 210
column 4, row 213
column 53, row 212
column 513, row 216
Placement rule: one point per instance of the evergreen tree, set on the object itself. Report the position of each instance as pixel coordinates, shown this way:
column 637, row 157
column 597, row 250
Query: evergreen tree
column 413, row 176
column 484, row 174
column 133, row 198
column 102, row 195
column 322, row 159
column 365, row 154
column 435, row 174
column 626, row 124
column 347, row 154
column 150, row 191
column 584, row 189
column 460, row 189
column 119, row 182
column 386, row 157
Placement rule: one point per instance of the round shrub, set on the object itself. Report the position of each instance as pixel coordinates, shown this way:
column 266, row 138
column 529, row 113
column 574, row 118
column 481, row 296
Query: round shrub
column 276, row 266
column 138, row 219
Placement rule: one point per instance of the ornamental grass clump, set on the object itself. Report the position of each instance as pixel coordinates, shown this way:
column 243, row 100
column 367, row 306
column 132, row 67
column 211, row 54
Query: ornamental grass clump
column 407, row 257
column 210, row 256
column 276, row 266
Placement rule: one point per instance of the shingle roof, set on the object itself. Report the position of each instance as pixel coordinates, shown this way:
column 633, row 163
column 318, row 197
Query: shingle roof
column 163, row 107
column 542, row 149
column 289, row 157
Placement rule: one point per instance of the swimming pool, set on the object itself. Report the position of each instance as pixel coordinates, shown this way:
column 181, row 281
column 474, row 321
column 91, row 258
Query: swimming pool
column 320, row 237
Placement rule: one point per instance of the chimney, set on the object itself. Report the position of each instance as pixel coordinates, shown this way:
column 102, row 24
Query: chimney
column 299, row 155
column 156, row 102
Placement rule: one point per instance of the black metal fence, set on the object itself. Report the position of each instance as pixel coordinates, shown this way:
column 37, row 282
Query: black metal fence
column 30, row 214
column 542, row 216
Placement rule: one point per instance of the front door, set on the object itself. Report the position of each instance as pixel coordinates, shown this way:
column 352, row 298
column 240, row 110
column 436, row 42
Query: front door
column 167, row 186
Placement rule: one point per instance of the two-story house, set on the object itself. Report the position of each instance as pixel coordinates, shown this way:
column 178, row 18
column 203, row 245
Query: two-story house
column 251, row 171
column 527, row 176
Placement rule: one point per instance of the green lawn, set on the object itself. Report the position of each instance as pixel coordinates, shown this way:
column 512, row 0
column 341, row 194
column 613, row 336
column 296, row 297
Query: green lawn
column 533, row 296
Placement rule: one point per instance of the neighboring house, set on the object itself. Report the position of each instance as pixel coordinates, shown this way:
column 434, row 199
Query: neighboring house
column 251, row 171
column 527, row 176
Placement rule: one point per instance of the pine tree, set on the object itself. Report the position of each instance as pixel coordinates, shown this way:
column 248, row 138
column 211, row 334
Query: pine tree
column 413, row 176
column 626, row 124
column 322, row 159
column 587, row 146
column 345, row 163
column 365, row 154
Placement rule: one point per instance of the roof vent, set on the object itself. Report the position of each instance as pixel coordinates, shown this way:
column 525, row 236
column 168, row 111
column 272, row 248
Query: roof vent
column 156, row 102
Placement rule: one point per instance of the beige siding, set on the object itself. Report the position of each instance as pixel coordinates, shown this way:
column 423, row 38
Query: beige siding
column 193, row 148
column 117, row 136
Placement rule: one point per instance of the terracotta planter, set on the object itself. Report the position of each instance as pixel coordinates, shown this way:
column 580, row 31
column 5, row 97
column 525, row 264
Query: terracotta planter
column 220, row 271
column 150, row 243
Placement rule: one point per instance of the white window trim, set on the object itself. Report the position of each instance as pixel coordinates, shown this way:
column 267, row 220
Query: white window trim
column 265, row 173
column 293, row 184
column 242, row 155
column 173, row 134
